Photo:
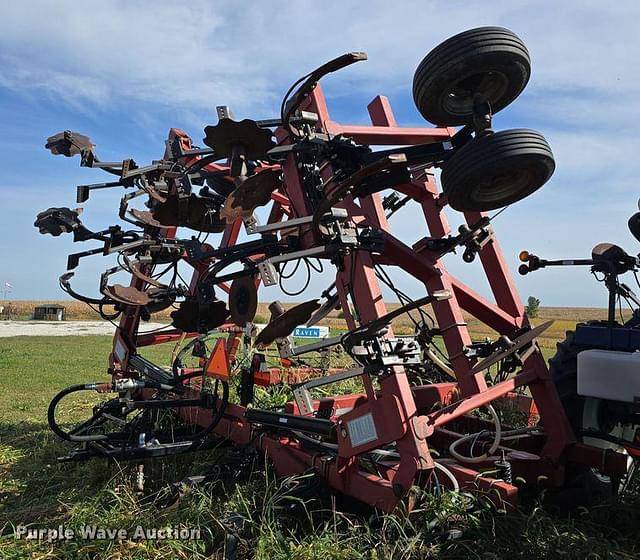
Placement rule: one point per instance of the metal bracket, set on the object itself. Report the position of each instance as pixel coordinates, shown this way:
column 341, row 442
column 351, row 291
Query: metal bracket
column 251, row 224
column 303, row 400
column 268, row 273
column 224, row 112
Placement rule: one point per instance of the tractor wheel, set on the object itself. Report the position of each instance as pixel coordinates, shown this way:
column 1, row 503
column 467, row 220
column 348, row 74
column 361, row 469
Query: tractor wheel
column 497, row 169
column 563, row 368
column 584, row 486
column 490, row 61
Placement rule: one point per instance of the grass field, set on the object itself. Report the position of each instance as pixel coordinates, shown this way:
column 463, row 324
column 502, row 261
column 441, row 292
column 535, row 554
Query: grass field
column 35, row 490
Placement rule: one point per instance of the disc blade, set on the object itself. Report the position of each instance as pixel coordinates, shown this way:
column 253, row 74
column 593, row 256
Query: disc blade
column 518, row 343
column 285, row 324
column 243, row 300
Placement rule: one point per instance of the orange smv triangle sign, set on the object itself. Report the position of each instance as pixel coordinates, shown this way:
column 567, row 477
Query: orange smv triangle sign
column 218, row 365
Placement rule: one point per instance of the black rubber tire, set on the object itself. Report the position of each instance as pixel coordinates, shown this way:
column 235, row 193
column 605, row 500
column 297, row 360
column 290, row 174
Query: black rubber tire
column 563, row 368
column 583, row 486
column 492, row 61
column 497, row 169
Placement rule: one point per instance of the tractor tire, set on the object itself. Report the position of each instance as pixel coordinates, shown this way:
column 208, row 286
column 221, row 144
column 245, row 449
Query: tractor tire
column 497, row 169
column 490, row 61
column 584, row 486
column 563, row 368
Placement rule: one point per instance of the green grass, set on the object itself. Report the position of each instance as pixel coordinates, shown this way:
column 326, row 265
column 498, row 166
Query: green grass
column 33, row 369
column 36, row 490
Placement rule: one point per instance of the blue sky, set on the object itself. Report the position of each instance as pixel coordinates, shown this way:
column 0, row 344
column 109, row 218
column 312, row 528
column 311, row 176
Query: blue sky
column 125, row 72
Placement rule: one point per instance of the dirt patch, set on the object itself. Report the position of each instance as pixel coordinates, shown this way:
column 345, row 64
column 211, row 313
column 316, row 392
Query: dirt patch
column 63, row 328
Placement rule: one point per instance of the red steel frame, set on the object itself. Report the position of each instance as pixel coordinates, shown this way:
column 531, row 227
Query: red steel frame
column 402, row 414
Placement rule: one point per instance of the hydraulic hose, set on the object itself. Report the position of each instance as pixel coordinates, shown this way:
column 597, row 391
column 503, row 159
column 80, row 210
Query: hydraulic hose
column 444, row 470
column 71, row 436
column 118, row 385
column 218, row 414
column 480, row 458
column 51, row 414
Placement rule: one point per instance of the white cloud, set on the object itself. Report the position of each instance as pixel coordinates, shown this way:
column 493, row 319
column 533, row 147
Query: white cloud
column 202, row 53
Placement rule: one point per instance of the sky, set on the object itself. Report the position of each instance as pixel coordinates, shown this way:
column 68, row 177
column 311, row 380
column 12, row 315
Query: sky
column 124, row 72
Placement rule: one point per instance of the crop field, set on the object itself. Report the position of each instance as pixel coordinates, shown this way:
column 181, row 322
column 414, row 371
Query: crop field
column 564, row 318
column 38, row 492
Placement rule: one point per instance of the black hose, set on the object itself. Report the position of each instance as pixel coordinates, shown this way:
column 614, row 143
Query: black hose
column 70, row 436
column 202, row 162
column 225, row 390
column 66, row 287
column 51, row 414
column 106, row 316
column 218, row 415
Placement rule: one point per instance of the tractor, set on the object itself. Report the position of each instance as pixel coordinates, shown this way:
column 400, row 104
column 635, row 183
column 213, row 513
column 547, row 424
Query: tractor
column 595, row 366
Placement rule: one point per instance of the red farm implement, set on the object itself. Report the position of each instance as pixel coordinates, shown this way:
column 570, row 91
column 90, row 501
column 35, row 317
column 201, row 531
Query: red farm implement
column 330, row 200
